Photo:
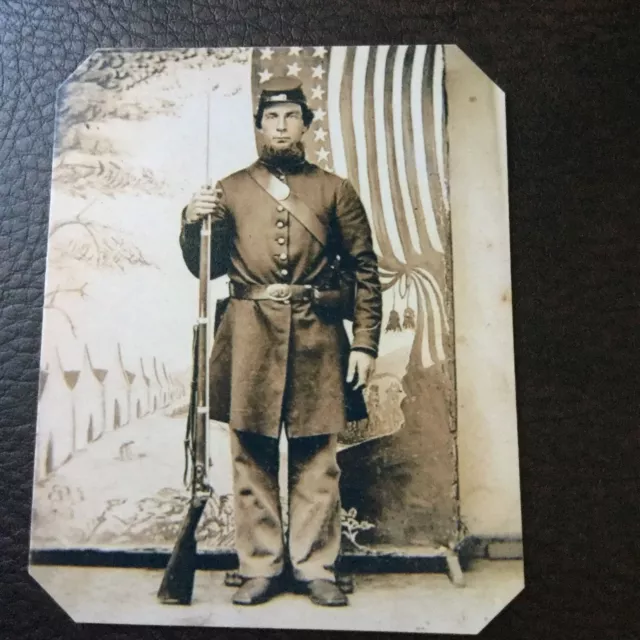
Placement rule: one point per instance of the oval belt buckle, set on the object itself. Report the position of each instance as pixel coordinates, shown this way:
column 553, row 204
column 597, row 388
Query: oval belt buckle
column 279, row 292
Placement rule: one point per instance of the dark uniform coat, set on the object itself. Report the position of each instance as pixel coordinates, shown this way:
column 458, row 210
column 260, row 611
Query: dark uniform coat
column 275, row 362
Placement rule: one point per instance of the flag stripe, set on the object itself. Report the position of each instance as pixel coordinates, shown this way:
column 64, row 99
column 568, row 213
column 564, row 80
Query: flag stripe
column 346, row 113
column 429, row 338
column 336, row 65
column 427, row 220
column 400, row 232
column 430, row 145
column 421, row 350
column 361, row 60
column 381, row 91
column 436, row 287
column 387, row 255
column 415, row 218
column 406, row 223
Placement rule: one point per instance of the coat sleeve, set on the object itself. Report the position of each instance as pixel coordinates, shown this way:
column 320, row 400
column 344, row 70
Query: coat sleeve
column 221, row 232
column 357, row 255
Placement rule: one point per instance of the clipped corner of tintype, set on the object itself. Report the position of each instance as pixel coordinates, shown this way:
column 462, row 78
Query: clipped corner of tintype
column 277, row 357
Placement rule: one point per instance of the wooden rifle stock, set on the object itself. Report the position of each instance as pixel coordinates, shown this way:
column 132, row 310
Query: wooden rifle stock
column 179, row 576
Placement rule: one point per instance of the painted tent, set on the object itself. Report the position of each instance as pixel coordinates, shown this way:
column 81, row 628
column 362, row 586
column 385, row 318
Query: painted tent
column 169, row 385
column 56, row 417
column 159, row 384
column 153, row 383
column 139, row 390
column 117, row 395
column 89, row 402
column 163, row 382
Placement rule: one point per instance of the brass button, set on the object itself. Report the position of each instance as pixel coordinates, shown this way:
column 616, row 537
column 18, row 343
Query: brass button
column 280, row 207
column 280, row 240
column 283, row 256
column 284, row 272
column 280, row 224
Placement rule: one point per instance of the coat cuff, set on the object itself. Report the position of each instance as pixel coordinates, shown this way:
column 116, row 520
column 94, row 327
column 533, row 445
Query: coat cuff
column 372, row 352
column 189, row 231
column 366, row 340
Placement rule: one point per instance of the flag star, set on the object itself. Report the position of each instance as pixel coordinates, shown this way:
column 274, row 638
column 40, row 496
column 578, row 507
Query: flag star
column 318, row 52
column 318, row 72
column 295, row 51
column 317, row 93
column 319, row 114
column 323, row 154
column 265, row 54
column 265, row 75
column 319, row 134
column 293, row 69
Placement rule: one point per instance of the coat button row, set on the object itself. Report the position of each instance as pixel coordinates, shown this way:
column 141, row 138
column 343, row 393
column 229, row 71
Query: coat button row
column 280, row 208
column 284, row 272
column 281, row 240
column 283, row 256
column 280, row 224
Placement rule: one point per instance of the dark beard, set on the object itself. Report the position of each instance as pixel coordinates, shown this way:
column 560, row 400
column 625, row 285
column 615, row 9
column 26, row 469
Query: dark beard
column 288, row 159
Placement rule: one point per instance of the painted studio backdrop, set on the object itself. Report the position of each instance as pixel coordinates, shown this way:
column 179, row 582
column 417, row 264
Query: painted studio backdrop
column 131, row 148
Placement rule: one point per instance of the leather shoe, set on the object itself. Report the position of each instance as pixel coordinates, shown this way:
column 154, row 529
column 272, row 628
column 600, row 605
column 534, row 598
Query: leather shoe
column 256, row 591
column 326, row 594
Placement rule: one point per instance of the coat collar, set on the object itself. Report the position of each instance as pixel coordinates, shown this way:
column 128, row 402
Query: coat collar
column 300, row 167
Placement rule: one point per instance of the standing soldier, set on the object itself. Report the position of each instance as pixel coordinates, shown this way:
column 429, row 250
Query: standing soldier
column 296, row 244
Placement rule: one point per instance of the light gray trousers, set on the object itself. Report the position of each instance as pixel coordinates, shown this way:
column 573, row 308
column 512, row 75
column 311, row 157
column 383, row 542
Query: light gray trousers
column 313, row 540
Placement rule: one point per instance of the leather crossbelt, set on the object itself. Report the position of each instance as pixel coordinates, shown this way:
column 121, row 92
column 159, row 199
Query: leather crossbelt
column 293, row 203
column 282, row 292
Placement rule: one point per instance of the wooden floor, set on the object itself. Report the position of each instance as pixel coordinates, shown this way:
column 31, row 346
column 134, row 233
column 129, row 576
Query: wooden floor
column 393, row 602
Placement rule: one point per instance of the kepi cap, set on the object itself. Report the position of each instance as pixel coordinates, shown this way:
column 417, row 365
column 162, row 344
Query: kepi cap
column 282, row 89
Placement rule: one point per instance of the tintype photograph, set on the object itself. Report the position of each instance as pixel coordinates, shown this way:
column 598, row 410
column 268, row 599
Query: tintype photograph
column 276, row 378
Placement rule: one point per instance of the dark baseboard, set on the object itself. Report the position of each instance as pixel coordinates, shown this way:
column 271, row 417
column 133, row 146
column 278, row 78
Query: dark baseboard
column 134, row 559
column 470, row 548
column 227, row 560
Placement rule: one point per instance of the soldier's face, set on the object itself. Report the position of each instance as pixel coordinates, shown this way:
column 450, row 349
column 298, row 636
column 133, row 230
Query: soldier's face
column 282, row 125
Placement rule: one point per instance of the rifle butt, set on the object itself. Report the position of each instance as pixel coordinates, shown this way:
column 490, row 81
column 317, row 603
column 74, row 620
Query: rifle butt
column 179, row 575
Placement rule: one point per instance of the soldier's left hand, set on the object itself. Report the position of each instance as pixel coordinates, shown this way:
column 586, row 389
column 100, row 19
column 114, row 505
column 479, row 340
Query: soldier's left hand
column 361, row 368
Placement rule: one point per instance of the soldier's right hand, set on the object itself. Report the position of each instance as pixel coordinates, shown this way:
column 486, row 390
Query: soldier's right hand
column 206, row 202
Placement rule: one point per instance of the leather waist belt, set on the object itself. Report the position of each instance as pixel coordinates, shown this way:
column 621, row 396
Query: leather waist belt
column 282, row 292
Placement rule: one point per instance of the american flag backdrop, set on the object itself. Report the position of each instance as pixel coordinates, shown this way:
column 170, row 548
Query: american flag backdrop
column 379, row 121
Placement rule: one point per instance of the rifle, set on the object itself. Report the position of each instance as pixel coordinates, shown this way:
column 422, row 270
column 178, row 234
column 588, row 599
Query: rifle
column 177, row 583
column 179, row 575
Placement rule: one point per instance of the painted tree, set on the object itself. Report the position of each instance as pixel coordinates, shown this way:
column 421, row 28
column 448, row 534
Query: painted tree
column 105, row 87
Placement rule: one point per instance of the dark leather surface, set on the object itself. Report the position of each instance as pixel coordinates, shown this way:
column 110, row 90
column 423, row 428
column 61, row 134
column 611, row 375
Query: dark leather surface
column 568, row 69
